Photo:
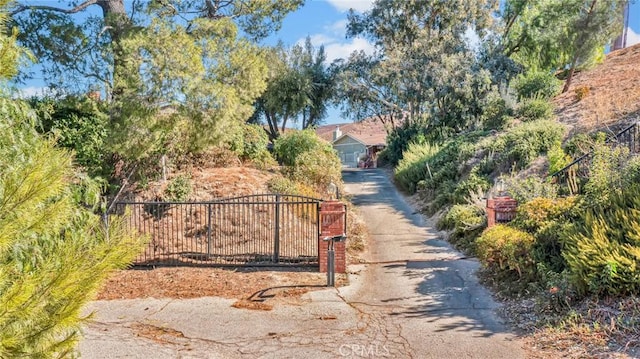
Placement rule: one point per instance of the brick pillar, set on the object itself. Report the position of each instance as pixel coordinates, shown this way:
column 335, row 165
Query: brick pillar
column 332, row 223
column 500, row 210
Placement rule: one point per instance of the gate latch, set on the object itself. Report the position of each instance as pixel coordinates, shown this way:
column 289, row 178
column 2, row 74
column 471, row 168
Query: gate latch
column 339, row 238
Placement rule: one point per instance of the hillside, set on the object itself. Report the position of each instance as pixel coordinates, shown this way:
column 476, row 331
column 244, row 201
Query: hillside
column 612, row 94
column 208, row 183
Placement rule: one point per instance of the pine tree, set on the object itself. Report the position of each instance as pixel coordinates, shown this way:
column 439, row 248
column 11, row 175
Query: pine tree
column 54, row 252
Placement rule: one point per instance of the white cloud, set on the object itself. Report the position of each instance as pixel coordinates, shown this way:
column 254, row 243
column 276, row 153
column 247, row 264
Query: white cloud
column 318, row 39
column 345, row 5
column 632, row 37
column 33, row 91
column 337, row 50
column 335, row 44
column 338, row 28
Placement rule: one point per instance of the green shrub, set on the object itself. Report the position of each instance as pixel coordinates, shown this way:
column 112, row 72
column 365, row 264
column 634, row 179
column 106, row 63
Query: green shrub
column 549, row 220
column 473, row 183
column 507, row 251
column 292, row 144
column 79, row 124
column 605, row 173
column 582, row 143
column 251, row 145
column 55, row 253
column 540, row 212
column 541, row 84
column 466, row 222
column 497, row 114
column 178, row 189
column 445, row 163
column 442, row 196
column 557, row 158
column 631, row 171
column 535, row 109
column 317, row 168
column 524, row 190
column 308, row 159
column 603, row 254
column 523, row 143
column 400, row 138
column 283, row 185
column 412, row 167
column 384, row 158
column 280, row 184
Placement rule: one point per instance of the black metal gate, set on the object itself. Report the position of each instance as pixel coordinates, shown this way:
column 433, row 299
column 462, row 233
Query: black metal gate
column 254, row 230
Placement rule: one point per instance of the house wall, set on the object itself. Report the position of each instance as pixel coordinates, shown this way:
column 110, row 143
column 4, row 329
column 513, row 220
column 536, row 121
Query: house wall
column 349, row 151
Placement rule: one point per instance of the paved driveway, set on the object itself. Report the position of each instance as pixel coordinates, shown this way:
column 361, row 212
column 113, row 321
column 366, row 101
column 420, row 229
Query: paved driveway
column 415, row 298
column 425, row 292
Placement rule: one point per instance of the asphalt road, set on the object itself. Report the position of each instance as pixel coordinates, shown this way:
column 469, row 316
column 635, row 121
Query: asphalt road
column 423, row 290
column 414, row 298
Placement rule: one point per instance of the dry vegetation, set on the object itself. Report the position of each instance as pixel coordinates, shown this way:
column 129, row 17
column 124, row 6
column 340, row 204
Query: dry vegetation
column 255, row 288
column 213, row 182
column 603, row 97
column 596, row 328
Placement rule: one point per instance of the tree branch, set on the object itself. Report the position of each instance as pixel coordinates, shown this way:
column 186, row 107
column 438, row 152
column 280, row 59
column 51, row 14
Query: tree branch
column 84, row 5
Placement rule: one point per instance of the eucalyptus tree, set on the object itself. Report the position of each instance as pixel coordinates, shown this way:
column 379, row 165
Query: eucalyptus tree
column 196, row 59
column 423, row 68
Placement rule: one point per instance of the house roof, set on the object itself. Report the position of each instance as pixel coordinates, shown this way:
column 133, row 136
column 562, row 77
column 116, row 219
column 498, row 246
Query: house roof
column 370, row 131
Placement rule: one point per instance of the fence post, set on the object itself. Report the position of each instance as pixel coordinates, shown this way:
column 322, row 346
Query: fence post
column 209, row 231
column 276, row 242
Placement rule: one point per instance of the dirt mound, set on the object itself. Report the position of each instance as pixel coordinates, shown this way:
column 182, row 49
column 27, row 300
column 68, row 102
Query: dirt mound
column 211, row 183
column 226, row 182
column 607, row 96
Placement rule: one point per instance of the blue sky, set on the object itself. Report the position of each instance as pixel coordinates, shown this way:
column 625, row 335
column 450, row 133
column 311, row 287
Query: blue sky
column 325, row 22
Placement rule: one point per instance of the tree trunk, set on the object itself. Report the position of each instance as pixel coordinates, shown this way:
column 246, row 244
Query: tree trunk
column 273, row 126
column 572, row 69
column 119, row 26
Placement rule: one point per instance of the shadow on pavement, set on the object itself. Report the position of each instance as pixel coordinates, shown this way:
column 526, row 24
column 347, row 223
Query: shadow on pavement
column 448, row 292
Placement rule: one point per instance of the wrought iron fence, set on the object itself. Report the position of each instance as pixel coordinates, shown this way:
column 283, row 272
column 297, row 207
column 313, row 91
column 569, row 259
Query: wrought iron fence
column 255, row 230
column 577, row 171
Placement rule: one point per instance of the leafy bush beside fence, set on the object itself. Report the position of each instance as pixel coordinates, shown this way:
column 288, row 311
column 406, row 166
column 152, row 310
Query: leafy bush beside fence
column 308, row 159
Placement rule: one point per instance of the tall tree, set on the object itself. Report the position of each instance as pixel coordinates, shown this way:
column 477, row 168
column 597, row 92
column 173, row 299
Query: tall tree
column 300, row 87
column 557, row 35
column 194, row 58
column 312, row 63
column 54, row 251
column 422, row 61
column 364, row 91
column 594, row 25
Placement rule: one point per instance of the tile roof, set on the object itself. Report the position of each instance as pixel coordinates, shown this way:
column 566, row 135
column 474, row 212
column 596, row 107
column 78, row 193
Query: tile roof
column 369, row 131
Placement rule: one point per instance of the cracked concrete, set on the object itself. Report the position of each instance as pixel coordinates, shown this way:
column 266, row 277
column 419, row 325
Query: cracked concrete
column 415, row 297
